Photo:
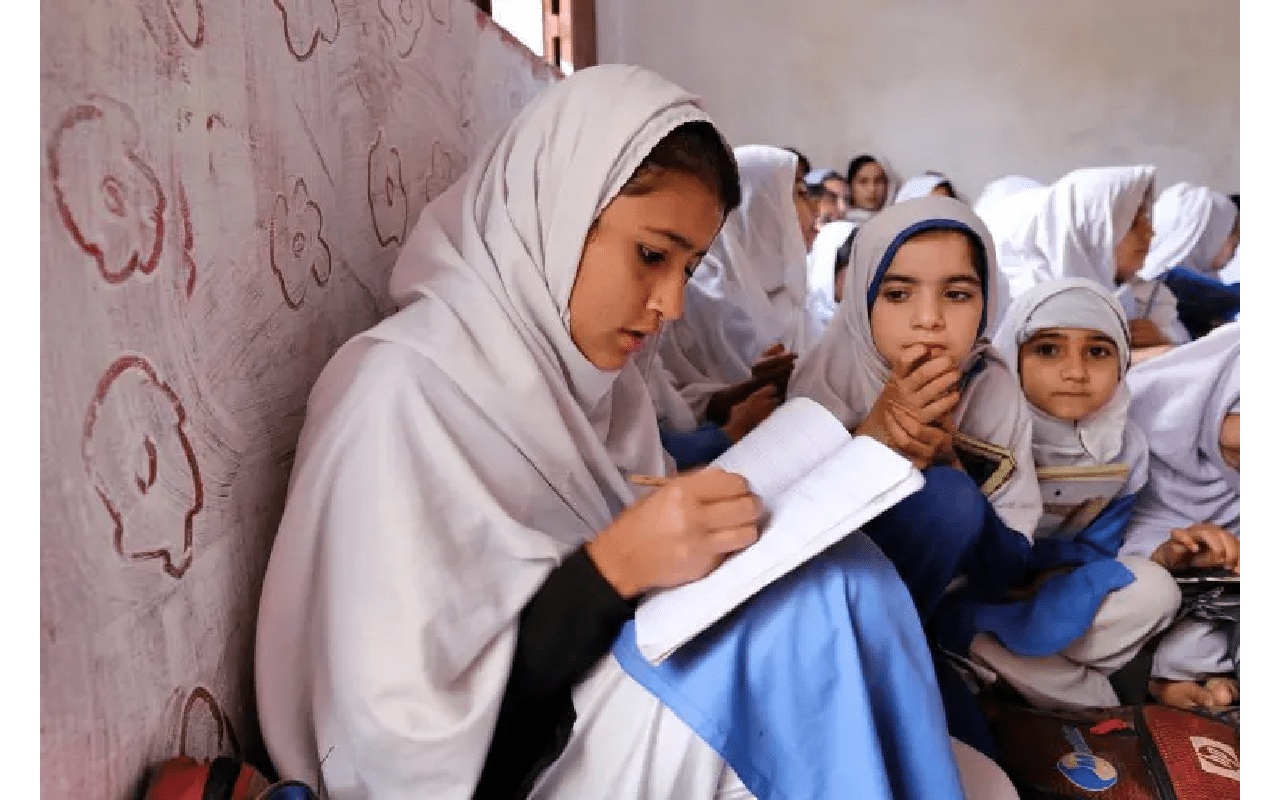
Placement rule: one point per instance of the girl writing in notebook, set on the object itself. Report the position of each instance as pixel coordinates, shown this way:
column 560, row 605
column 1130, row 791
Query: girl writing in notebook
column 1089, row 612
column 1187, row 517
column 461, row 545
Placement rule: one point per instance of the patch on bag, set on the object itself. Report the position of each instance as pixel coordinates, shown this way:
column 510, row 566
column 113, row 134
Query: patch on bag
column 1082, row 767
column 1217, row 758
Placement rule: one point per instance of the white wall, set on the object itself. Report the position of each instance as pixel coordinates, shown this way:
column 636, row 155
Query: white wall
column 975, row 88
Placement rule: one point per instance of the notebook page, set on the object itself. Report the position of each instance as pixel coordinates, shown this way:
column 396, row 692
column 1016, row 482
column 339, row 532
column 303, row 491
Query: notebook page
column 862, row 479
column 785, row 447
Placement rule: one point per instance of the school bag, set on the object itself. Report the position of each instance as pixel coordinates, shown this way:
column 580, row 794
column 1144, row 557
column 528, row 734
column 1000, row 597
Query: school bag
column 1135, row 752
column 224, row 778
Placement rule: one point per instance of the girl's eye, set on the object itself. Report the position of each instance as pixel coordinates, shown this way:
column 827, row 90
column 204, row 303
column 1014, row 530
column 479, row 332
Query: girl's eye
column 650, row 256
column 1100, row 352
column 1045, row 350
column 894, row 295
column 960, row 295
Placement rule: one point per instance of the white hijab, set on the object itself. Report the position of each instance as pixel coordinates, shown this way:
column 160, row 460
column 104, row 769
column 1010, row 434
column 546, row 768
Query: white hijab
column 1069, row 229
column 1179, row 400
column 1191, row 224
column 1001, row 188
column 1105, row 436
column 845, row 372
column 453, row 455
column 822, row 267
column 750, row 290
column 920, row 185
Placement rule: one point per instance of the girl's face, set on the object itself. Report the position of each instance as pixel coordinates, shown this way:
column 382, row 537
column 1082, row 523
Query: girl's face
column 1229, row 440
column 943, row 190
column 806, row 214
column 637, row 257
column 835, row 200
column 1069, row 373
column 1228, row 250
column 870, row 186
column 931, row 295
column 1131, row 250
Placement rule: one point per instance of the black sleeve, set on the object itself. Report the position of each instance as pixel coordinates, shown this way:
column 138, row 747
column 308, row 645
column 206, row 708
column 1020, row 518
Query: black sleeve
column 564, row 631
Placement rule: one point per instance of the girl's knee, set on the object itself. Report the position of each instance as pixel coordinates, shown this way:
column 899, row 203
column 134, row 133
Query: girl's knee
column 953, row 499
column 1153, row 592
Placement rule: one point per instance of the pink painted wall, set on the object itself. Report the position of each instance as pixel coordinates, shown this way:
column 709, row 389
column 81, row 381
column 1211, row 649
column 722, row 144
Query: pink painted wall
column 225, row 187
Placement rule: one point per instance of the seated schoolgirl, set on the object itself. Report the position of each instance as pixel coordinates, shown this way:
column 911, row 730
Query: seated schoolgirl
column 461, row 546
column 747, row 299
column 831, row 192
column 1092, row 223
column 1187, row 518
column 1088, row 612
column 827, row 264
column 929, row 182
column 904, row 361
column 868, row 187
column 1197, row 231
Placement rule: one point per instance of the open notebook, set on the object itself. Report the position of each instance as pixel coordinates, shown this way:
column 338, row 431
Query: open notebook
column 818, row 484
column 1074, row 496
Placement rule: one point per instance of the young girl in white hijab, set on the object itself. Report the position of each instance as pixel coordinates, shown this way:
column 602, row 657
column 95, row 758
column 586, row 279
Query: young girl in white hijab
column 747, row 300
column 1092, row 223
column 1196, row 235
column 1090, row 612
column 460, row 544
column 827, row 263
column 923, row 184
column 1188, row 516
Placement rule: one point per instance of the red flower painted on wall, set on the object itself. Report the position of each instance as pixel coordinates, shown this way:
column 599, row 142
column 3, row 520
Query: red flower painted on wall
column 299, row 252
column 306, row 22
column 142, row 465
column 405, row 18
column 107, row 196
column 388, row 199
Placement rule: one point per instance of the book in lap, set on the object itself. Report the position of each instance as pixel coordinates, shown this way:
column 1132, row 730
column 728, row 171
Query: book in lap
column 818, row 484
column 1073, row 497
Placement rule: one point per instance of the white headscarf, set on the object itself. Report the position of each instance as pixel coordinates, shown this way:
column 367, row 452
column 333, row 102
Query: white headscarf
column 1001, row 188
column 920, row 185
column 822, row 267
column 845, row 372
column 1070, row 229
column 1191, row 224
column 749, row 292
column 453, row 455
column 1179, row 400
column 1105, row 436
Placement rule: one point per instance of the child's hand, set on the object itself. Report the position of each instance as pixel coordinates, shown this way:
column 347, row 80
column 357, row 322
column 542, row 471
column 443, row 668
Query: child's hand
column 927, row 385
column 1144, row 333
column 745, row 416
column 1199, row 546
column 775, row 358
column 912, row 413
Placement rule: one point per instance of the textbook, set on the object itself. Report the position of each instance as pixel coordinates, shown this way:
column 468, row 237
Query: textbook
column 818, row 484
column 1073, row 497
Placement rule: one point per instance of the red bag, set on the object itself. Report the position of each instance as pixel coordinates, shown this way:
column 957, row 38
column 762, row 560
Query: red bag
column 1146, row 752
column 184, row 778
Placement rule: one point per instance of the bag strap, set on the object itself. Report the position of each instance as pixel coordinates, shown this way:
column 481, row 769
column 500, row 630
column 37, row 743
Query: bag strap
column 221, row 783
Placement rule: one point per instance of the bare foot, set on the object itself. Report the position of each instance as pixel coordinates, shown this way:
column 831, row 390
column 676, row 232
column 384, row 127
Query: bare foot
column 1180, row 694
column 1225, row 691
